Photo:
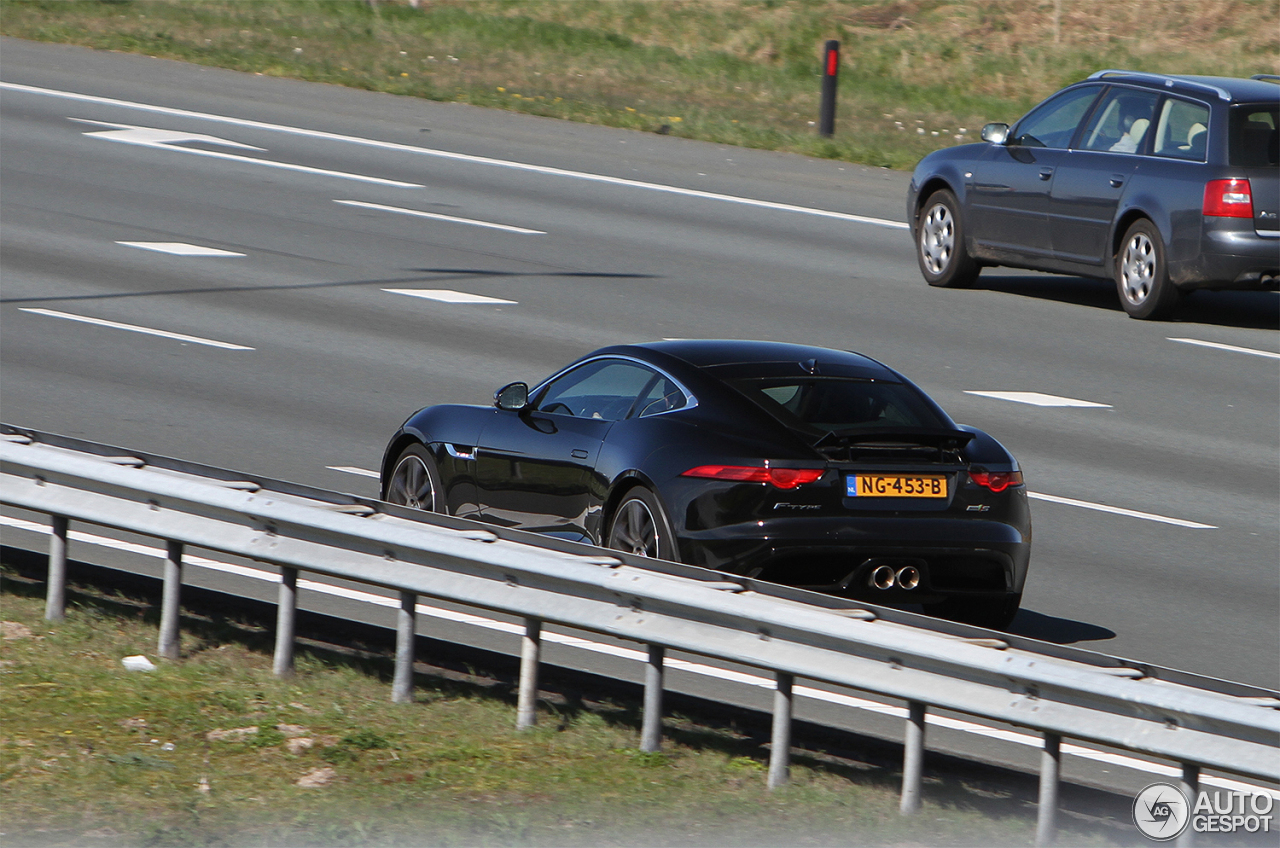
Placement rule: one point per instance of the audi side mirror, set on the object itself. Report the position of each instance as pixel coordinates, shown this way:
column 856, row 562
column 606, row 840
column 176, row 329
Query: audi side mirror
column 995, row 133
column 512, row 397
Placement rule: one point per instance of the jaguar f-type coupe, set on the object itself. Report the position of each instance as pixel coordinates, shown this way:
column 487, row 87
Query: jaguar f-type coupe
column 815, row 468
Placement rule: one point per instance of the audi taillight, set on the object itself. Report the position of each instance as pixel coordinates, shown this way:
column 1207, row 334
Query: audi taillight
column 996, row 481
column 1228, row 199
column 783, row 478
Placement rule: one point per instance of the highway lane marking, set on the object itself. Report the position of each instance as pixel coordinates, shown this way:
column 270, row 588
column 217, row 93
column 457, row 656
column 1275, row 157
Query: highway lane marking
column 1232, row 348
column 448, row 296
column 618, row 651
column 1128, row 513
column 133, row 328
column 178, row 248
column 147, row 137
column 459, row 157
column 351, row 469
column 438, row 217
column 1040, row 399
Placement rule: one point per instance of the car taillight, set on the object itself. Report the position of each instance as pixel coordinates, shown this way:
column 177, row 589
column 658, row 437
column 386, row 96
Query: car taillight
column 783, row 478
column 996, row 481
column 1228, row 199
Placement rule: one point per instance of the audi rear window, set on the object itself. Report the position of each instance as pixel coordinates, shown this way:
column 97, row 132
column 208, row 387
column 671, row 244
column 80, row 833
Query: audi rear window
column 826, row 404
column 1253, row 138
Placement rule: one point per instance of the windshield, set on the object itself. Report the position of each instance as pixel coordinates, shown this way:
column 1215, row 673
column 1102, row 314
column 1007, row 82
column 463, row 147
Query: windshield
column 832, row 404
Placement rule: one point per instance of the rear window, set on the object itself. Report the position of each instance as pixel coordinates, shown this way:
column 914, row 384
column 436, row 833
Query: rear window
column 1253, row 139
column 826, row 404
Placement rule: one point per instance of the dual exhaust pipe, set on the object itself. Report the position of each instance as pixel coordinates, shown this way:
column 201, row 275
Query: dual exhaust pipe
column 886, row 577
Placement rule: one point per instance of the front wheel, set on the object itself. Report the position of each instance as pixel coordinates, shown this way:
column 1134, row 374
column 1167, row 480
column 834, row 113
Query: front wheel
column 940, row 243
column 1142, row 278
column 415, row 482
column 640, row 527
column 992, row 613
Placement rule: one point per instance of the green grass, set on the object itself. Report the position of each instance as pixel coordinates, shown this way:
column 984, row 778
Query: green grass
column 915, row 74
column 92, row 753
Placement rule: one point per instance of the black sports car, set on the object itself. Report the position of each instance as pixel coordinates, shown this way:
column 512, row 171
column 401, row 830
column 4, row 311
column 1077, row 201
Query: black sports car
column 800, row 465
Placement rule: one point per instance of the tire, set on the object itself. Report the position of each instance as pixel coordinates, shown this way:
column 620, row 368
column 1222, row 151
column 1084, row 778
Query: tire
column 992, row 613
column 1142, row 277
column 415, row 481
column 940, row 243
column 639, row 526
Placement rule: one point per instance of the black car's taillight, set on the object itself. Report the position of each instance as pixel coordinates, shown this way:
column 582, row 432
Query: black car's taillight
column 1228, row 199
column 996, row 481
column 783, row 478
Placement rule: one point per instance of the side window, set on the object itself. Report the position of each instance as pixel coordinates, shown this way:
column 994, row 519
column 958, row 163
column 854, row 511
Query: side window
column 662, row 396
column 1122, row 121
column 604, row 389
column 1052, row 124
column 1183, row 130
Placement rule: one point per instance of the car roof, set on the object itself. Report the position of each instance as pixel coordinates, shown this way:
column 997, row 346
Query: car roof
column 734, row 357
column 1235, row 89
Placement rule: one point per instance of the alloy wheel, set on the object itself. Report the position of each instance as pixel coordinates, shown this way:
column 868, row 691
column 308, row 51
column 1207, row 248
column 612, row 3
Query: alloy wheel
column 411, row 485
column 1138, row 268
column 937, row 238
column 634, row 530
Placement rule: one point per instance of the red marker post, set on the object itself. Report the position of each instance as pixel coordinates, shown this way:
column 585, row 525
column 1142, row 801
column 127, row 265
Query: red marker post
column 830, row 68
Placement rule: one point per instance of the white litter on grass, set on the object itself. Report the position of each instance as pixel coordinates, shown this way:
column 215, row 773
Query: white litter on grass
column 138, row 663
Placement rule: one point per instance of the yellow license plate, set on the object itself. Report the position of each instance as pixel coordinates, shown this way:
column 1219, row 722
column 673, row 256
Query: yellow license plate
column 895, row 486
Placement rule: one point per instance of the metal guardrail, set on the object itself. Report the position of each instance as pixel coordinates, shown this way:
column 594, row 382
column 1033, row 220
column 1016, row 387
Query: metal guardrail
column 1056, row 691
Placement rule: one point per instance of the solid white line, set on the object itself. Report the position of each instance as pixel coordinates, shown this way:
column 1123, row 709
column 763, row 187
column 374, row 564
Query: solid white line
column 460, row 157
column 437, row 216
column 744, row 678
column 1115, row 510
column 1232, row 348
column 351, row 469
column 178, row 248
column 115, row 325
column 1040, row 399
column 447, row 296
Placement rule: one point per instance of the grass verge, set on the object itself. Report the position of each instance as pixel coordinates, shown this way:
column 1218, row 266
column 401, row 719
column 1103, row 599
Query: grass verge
column 214, row 750
column 915, row 74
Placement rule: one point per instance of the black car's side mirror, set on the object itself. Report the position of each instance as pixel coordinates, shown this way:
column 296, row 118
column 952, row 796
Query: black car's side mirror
column 995, row 133
column 512, row 397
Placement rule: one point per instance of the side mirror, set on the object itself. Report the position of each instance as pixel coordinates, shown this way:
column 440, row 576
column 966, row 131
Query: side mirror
column 512, row 397
column 995, row 133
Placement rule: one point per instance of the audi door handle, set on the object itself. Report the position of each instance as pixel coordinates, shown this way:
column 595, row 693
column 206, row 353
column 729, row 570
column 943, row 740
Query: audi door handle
column 1046, row 173
column 578, row 453
column 1117, row 180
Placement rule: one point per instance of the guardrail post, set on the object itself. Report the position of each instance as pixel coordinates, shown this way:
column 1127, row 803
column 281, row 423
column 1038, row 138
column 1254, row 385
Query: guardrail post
column 406, row 633
column 830, row 69
column 1050, row 768
column 1190, row 787
column 780, row 745
column 171, row 601
column 651, row 725
column 530, row 651
column 912, row 759
column 55, row 603
column 286, row 610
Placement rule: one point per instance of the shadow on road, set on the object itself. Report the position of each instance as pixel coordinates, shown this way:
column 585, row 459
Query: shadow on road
column 1257, row 310
column 1061, row 631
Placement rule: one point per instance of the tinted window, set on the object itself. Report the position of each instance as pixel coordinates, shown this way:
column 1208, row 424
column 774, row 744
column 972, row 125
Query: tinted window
column 1052, row 124
column 662, row 396
column 1183, row 130
column 1253, row 137
column 604, row 389
column 1121, row 122
column 835, row 405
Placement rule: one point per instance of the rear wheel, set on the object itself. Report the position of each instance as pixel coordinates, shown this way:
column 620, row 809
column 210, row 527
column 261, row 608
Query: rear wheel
column 1142, row 278
column 992, row 613
column 640, row 527
column 940, row 243
column 415, row 482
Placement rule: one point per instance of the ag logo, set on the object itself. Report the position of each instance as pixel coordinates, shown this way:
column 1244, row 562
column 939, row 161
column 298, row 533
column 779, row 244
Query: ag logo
column 1161, row 812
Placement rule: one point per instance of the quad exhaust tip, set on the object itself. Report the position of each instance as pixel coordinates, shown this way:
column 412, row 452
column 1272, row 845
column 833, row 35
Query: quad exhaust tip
column 884, row 577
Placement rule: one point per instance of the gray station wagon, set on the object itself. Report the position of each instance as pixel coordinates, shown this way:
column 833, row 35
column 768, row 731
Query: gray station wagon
column 1164, row 183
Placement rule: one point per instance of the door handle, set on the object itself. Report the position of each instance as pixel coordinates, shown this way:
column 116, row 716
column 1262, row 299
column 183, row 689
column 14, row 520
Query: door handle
column 1117, row 180
column 578, row 453
column 1046, row 173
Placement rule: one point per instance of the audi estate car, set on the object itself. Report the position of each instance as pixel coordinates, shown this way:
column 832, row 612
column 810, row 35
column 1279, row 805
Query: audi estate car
column 1165, row 184
column 800, row 465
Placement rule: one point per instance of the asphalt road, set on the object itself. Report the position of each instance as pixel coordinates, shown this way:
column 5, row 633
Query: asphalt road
column 1157, row 511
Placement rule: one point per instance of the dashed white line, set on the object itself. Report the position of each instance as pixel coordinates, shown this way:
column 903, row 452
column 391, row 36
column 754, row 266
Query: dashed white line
column 1232, row 348
column 730, row 675
column 417, row 213
column 448, row 296
column 351, row 469
column 178, row 248
column 1115, row 510
column 1040, row 399
column 133, row 328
